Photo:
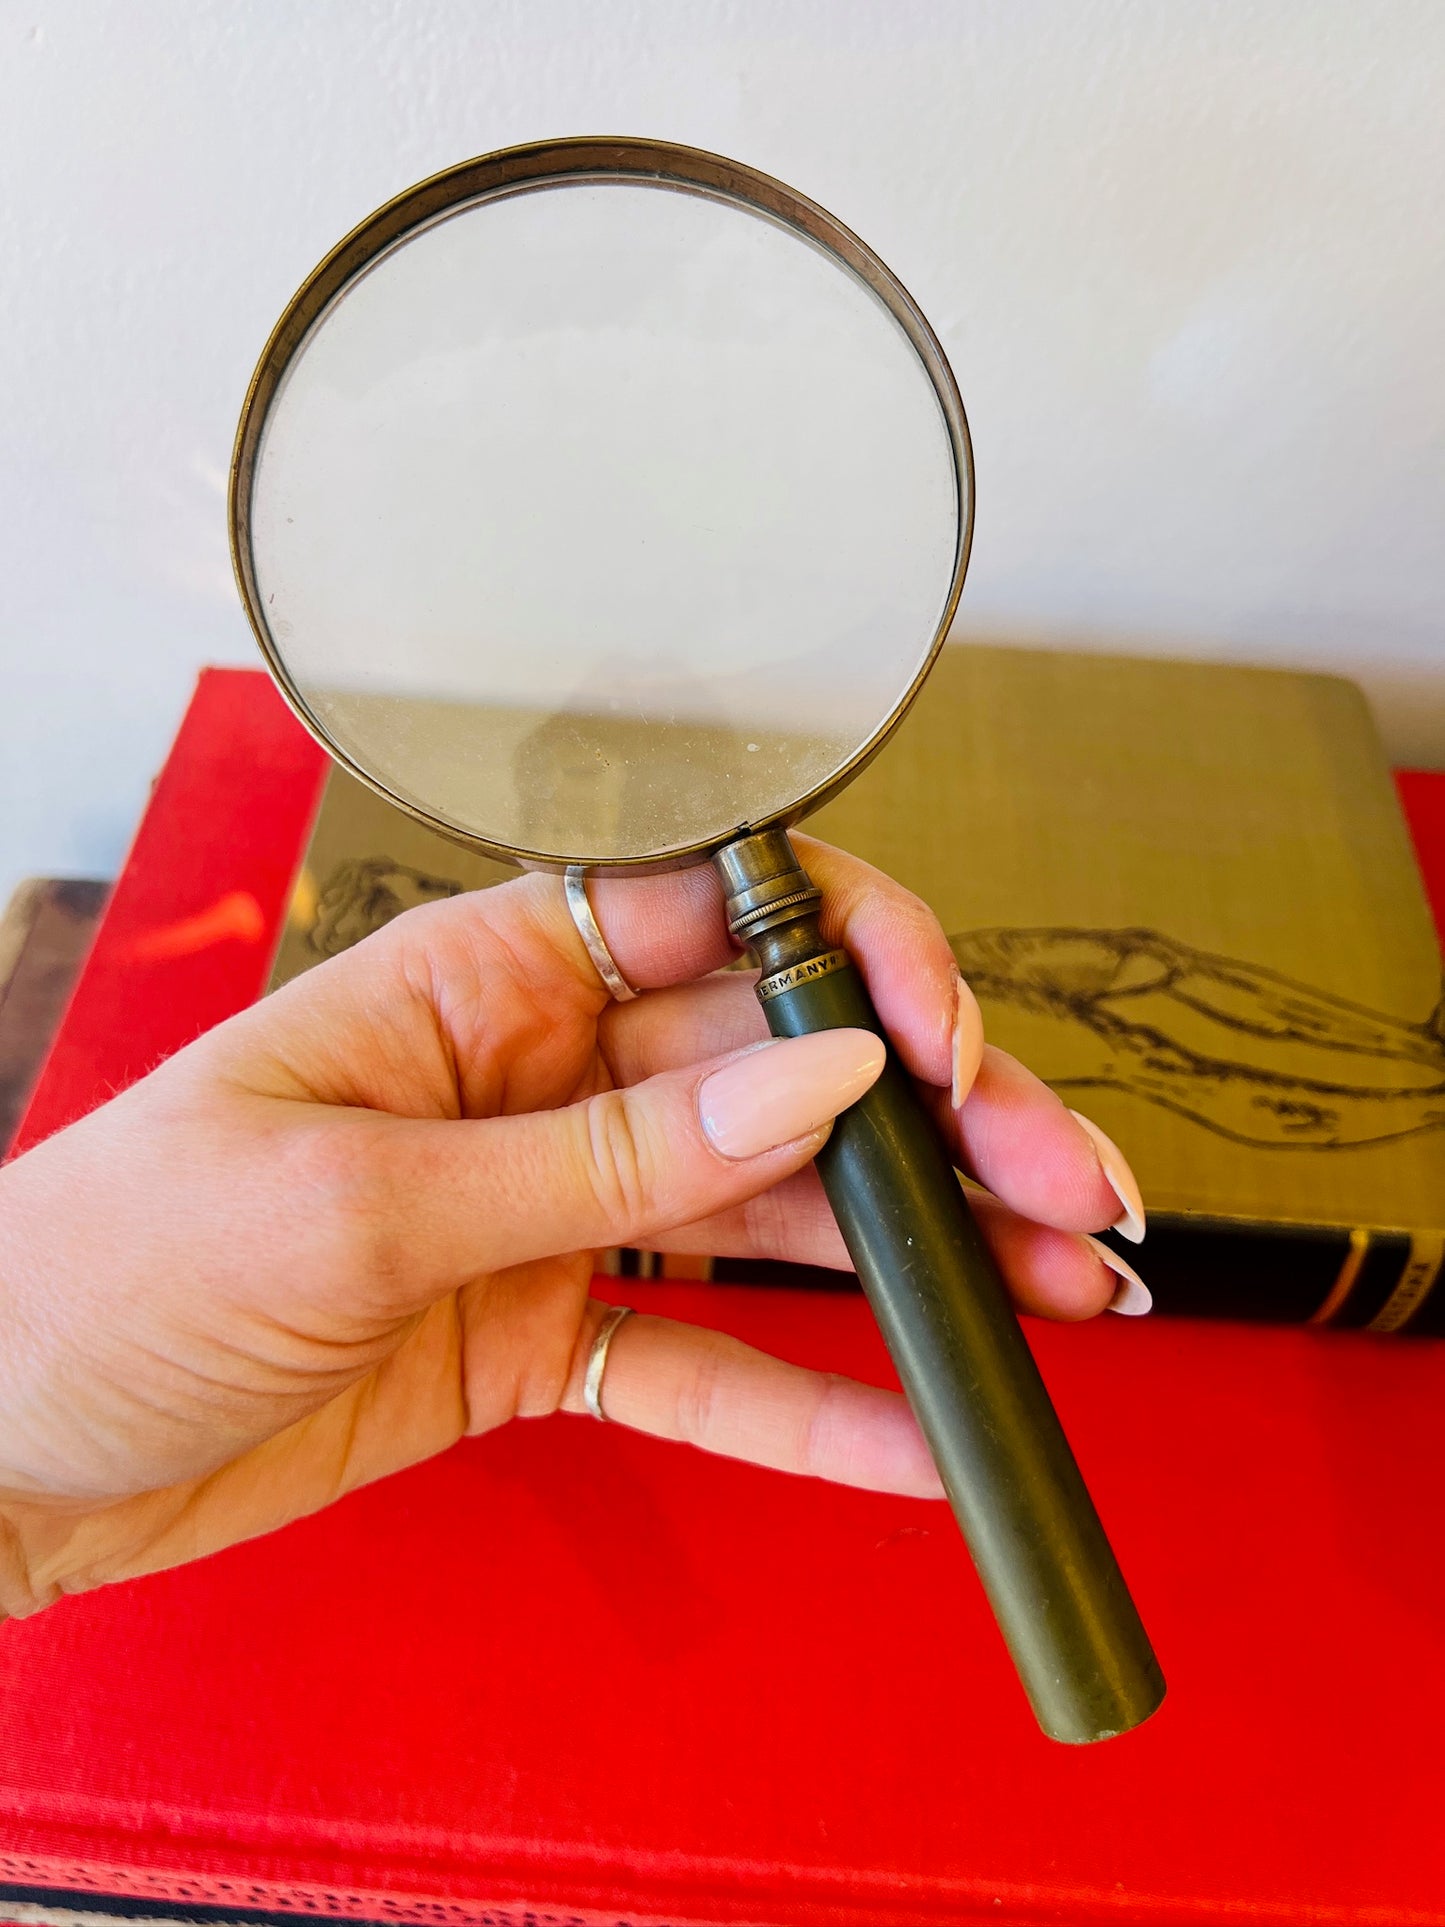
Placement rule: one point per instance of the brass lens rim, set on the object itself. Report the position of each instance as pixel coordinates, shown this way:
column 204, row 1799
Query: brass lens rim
column 539, row 164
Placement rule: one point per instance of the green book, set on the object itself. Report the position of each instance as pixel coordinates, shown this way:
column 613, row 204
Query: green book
column 1185, row 895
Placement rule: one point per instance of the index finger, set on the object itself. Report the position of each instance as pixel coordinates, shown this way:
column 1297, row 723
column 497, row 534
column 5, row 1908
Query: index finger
column 671, row 929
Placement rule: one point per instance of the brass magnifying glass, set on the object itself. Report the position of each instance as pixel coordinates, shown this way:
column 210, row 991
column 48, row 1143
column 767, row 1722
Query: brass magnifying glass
column 603, row 505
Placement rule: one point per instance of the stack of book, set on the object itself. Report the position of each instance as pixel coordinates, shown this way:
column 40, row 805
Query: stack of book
column 568, row 1674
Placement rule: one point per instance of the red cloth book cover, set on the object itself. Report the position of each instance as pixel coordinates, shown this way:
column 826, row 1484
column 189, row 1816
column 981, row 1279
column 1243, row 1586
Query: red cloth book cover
column 567, row 1673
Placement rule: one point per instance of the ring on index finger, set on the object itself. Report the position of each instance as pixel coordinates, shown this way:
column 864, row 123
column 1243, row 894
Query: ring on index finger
column 616, row 985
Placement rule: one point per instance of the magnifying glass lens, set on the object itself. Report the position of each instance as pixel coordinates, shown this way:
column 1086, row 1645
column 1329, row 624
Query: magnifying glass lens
column 601, row 519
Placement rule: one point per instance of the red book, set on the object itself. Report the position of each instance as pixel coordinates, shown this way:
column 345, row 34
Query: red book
column 565, row 1673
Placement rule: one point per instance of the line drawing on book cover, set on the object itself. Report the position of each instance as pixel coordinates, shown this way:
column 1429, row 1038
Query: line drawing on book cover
column 366, row 892
column 1241, row 1050
column 1244, row 1051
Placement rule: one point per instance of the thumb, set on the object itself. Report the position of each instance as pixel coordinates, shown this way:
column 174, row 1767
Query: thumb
column 482, row 1194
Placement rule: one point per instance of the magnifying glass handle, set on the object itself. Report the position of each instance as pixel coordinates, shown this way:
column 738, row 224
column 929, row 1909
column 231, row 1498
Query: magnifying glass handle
column 1048, row 1569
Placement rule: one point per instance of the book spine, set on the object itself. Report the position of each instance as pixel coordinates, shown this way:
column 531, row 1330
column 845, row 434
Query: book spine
column 1365, row 1279
column 1361, row 1279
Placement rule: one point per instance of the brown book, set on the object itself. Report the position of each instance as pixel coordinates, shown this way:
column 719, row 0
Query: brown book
column 1185, row 895
column 45, row 932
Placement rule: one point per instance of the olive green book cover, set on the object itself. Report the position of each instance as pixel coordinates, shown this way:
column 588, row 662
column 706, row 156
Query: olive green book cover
column 1186, row 896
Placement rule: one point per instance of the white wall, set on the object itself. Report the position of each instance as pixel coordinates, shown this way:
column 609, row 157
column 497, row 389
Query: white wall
column 1187, row 259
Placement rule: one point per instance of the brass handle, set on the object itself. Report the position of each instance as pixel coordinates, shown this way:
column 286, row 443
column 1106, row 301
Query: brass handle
column 1048, row 1569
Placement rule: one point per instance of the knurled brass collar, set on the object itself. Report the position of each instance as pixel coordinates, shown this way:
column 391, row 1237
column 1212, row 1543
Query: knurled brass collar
column 766, row 884
column 748, row 920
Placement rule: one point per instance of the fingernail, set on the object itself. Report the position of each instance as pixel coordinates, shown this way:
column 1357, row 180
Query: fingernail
column 967, row 1041
column 786, row 1089
column 1120, row 1179
column 1133, row 1297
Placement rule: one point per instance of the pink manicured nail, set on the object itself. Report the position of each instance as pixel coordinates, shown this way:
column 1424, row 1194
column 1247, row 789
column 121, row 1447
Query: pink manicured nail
column 967, row 1041
column 787, row 1089
column 1133, row 1297
column 1120, row 1179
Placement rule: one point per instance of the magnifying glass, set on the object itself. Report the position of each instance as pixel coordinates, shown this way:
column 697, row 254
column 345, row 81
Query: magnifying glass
column 603, row 505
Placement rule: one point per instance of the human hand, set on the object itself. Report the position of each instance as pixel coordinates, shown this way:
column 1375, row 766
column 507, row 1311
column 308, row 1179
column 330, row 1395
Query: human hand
column 359, row 1220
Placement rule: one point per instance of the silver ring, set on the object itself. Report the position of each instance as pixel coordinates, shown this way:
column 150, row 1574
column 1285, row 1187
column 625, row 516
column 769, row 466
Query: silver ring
column 597, row 1359
column 575, row 883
